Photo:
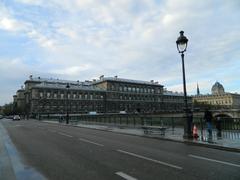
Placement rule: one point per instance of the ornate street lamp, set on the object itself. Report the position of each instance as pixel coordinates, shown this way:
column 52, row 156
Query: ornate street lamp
column 67, row 117
column 182, row 42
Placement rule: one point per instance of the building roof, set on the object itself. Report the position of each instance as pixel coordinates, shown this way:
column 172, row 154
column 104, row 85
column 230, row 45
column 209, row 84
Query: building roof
column 216, row 95
column 48, row 85
column 116, row 79
column 217, row 88
column 20, row 90
column 59, row 81
column 170, row 93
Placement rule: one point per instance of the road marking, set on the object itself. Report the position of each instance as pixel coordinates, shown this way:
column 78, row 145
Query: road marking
column 214, row 160
column 125, row 176
column 65, row 134
column 18, row 125
column 149, row 159
column 91, row 142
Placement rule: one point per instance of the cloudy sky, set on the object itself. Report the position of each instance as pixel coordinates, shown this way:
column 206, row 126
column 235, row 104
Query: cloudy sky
column 135, row 39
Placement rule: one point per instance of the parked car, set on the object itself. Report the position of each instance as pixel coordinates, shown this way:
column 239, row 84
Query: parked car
column 122, row 112
column 16, row 118
column 9, row 117
column 92, row 113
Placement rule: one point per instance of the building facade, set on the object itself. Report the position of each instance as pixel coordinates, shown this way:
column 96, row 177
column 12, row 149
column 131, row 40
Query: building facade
column 105, row 95
column 218, row 98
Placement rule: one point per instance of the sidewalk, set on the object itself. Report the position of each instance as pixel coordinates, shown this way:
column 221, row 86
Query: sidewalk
column 230, row 140
column 11, row 165
column 6, row 169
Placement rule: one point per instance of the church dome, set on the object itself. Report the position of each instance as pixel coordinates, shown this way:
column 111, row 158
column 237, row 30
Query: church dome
column 217, row 88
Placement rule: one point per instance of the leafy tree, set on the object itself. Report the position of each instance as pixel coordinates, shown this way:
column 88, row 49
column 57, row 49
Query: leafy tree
column 8, row 109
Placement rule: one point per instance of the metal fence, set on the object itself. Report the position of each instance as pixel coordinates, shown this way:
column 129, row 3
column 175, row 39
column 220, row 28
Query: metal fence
column 118, row 119
column 229, row 127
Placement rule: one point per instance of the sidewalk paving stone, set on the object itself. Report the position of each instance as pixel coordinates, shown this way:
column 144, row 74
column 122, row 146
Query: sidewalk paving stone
column 230, row 140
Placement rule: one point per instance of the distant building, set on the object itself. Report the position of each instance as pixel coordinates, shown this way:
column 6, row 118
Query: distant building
column 219, row 98
column 198, row 91
column 105, row 95
column 217, row 89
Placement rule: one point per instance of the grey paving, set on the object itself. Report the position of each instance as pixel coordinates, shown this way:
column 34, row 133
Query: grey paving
column 6, row 169
column 66, row 152
column 11, row 164
column 229, row 139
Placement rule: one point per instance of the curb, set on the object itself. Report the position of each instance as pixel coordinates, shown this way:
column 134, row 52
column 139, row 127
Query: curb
column 188, row 142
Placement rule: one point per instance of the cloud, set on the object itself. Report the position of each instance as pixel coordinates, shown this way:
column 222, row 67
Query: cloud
column 130, row 38
column 42, row 40
column 10, row 24
column 71, row 71
column 7, row 22
column 31, row 2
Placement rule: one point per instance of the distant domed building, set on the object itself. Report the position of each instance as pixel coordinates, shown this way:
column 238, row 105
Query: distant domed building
column 218, row 98
column 217, row 89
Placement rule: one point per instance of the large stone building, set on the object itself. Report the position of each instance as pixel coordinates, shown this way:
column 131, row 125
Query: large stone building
column 105, row 95
column 218, row 99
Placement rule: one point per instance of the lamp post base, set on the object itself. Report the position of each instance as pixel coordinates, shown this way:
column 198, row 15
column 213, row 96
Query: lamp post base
column 187, row 125
column 67, row 119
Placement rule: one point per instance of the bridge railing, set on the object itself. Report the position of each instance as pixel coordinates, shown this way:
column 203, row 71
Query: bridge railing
column 229, row 127
column 122, row 119
column 141, row 119
column 222, row 123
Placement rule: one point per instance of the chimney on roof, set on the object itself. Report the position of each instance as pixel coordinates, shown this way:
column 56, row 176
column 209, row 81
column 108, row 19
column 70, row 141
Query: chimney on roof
column 30, row 77
column 39, row 77
column 101, row 77
column 152, row 81
column 115, row 77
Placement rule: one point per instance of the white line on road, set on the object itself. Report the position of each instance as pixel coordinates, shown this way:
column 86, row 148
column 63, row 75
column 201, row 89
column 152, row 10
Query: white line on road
column 149, row 159
column 18, row 125
column 65, row 134
column 125, row 176
column 214, row 160
column 91, row 142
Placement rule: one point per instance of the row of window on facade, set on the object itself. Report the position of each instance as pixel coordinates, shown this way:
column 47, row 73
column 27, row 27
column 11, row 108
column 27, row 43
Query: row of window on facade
column 49, row 95
column 140, row 98
column 69, row 106
column 135, row 89
column 70, row 95
column 116, row 107
column 223, row 102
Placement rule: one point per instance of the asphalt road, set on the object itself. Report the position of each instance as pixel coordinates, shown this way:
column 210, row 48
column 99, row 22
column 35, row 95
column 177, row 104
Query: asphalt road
column 65, row 152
